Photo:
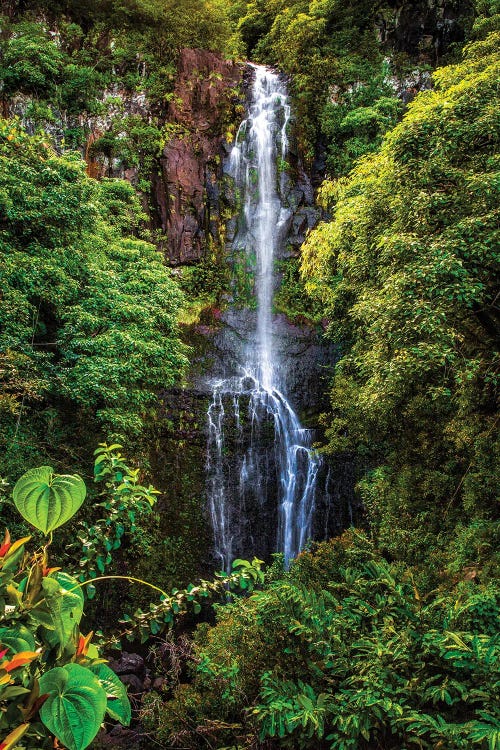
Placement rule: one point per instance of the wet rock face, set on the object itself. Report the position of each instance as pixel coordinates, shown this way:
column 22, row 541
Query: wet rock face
column 305, row 360
column 178, row 466
column 195, row 189
column 186, row 192
column 425, row 28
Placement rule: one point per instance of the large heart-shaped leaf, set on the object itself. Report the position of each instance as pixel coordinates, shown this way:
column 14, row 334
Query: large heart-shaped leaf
column 75, row 706
column 47, row 500
column 118, row 705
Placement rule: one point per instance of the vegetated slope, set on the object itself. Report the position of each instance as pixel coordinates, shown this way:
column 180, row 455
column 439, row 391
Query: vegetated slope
column 408, row 274
column 98, row 76
column 365, row 643
column 349, row 61
column 89, row 311
column 342, row 653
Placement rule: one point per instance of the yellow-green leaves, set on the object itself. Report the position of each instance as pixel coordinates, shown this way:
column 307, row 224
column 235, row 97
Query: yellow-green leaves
column 47, row 500
column 407, row 273
column 13, row 737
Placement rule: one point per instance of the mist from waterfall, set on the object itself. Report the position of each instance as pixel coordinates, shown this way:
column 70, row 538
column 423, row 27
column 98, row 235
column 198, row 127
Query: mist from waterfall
column 255, row 396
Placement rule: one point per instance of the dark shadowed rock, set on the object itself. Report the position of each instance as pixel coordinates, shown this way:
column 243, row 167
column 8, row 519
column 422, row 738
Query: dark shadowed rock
column 424, row 28
column 134, row 683
column 186, row 191
column 128, row 664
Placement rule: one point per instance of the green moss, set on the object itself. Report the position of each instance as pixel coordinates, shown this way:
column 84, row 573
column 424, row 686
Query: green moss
column 292, row 298
column 203, row 285
column 243, row 267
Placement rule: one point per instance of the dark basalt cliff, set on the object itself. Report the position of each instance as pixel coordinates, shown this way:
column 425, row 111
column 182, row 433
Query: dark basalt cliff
column 205, row 104
column 424, row 29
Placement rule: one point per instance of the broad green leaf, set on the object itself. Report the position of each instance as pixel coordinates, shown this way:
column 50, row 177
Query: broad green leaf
column 75, row 707
column 118, row 705
column 17, row 638
column 61, row 610
column 47, row 500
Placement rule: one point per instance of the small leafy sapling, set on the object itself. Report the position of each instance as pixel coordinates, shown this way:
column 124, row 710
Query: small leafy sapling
column 124, row 501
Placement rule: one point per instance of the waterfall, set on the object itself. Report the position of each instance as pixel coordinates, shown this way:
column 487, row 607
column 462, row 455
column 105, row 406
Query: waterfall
column 254, row 399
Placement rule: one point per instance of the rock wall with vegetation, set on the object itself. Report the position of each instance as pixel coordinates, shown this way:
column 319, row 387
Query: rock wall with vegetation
column 207, row 101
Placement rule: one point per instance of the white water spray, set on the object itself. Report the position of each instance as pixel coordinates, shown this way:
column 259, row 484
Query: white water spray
column 261, row 145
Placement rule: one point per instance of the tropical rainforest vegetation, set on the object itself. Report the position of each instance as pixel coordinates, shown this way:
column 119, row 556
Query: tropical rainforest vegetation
column 407, row 270
column 386, row 637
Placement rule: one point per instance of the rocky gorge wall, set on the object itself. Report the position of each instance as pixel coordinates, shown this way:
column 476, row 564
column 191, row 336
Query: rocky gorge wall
column 424, row 29
column 208, row 99
column 199, row 208
column 192, row 209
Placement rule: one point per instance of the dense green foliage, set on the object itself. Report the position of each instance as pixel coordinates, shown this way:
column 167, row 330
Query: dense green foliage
column 78, row 62
column 408, row 274
column 343, row 88
column 386, row 638
column 343, row 652
column 292, row 298
column 99, row 75
column 89, row 311
column 53, row 682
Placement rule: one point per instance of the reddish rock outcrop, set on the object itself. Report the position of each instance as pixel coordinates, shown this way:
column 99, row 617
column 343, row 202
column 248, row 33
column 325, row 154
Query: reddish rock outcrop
column 186, row 195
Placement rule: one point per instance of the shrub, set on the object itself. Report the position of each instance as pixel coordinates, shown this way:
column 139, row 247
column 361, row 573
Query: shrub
column 344, row 652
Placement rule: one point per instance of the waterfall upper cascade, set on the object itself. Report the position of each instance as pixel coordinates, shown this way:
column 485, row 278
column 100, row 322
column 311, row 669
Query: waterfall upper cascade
column 253, row 400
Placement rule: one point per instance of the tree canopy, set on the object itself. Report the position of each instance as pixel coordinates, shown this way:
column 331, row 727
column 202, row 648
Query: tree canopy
column 408, row 273
column 89, row 311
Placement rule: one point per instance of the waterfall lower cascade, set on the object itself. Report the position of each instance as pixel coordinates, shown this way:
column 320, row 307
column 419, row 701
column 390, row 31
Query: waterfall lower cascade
column 253, row 400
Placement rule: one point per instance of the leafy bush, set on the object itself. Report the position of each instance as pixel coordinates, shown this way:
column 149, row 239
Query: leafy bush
column 134, row 142
column 123, row 501
column 31, row 61
column 356, row 121
column 343, row 652
column 53, row 683
column 292, row 298
column 89, row 309
column 408, row 275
